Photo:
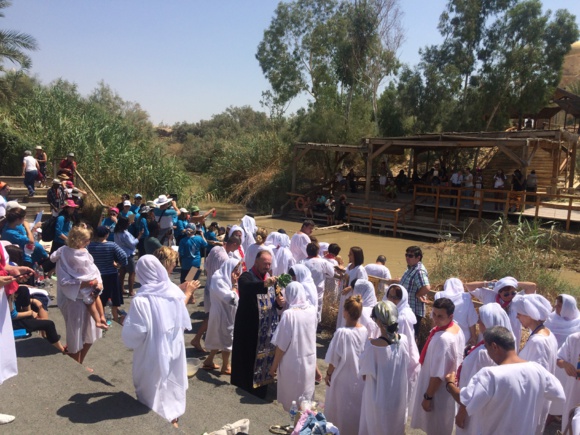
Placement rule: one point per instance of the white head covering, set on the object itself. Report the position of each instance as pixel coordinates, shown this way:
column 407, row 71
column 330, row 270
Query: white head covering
column 366, row 289
column 222, row 278
column 273, row 239
column 405, row 311
column 250, row 228
column 296, row 295
column 235, row 228
column 323, row 247
column 304, row 277
column 568, row 322
column 507, row 281
column 493, row 314
column 284, row 240
column 452, row 289
column 534, row 305
column 155, row 285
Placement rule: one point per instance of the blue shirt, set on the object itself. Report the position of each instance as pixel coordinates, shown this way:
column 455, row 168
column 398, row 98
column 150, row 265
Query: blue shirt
column 142, row 225
column 180, row 227
column 109, row 223
column 17, row 236
column 190, row 251
column 62, row 227
column 126, row 242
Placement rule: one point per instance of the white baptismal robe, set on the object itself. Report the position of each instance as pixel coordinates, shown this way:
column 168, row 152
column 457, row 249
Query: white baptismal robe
column 379, row 271
column 8, row 367
column 385, row 394
column 160, row 381
column 508, row 399
column 444, row 355
column 297, row 369
column 220, row 329
column 298, row 244
column 356, row 272
column 570, row 352
column 346, row 388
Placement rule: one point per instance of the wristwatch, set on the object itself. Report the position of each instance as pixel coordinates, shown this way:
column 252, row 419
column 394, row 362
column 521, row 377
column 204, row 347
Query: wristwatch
column 427, row 397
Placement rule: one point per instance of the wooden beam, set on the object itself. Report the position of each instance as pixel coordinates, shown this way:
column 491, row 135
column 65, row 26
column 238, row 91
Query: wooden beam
column 380, row 150
column 533, row 153
column 510, row 154
column 298, row 157
column 368, row 179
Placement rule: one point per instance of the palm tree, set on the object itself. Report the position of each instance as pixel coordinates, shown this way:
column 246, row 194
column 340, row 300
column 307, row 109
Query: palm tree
column 13, row 44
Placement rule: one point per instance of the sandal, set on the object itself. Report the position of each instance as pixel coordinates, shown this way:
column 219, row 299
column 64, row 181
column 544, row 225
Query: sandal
column 212, row 367
column 227, row 372
column 278, row 429
column 65, row 350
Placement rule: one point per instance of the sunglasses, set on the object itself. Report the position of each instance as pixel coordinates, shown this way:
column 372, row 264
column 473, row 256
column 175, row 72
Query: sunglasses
column 410, row 255
column 508, row 293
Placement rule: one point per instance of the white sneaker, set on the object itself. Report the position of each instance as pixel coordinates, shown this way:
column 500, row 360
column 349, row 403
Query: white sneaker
column 5, row 418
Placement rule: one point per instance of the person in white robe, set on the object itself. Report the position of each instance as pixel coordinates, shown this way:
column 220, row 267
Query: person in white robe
column 302, row 274
column 506, row 398
column 239, row 253
column 366, row 290
column 503, row 292
column 344, row 387
column 300, row 240
column 569, row 361
column 295, row 358
column 464, row 314
column 563, row 321
column 259, row 245
column 154, row 330
column 284, row 260
column 379, row 270
column 434, row 409
column 320, row 270
column 541, row 346
column 384, row 366
column 354, row 270
column 249, row 227
column 490, row 315
column 399, row 295
column 224, row 304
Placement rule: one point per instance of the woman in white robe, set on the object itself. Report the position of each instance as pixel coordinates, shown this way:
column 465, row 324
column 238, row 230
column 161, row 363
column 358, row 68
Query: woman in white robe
column 240, row 253
column 366, row 290
column 563, row 321
column 295, row 358
column 259, row 245
column 464, row 314
column 154, row 330
column 302, row 274
column 399, row 295
column 224, row 304
column 541, row 346
column 248, row 224
column 384, row 366
column 344, row 386
column 280, row 244
column 568, row 356
column 491, row 314
column 354, row 270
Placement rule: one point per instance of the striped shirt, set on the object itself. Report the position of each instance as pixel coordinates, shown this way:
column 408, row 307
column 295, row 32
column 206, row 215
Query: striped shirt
column 104, row 254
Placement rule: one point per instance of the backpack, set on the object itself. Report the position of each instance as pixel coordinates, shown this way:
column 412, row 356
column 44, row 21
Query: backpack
column 49, row 229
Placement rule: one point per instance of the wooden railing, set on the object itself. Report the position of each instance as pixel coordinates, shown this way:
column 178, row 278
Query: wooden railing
column 503, row 201
column 375, row 216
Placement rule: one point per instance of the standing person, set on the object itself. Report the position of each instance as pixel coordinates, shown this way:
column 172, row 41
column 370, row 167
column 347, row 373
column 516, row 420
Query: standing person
column 468, row 184
column 142, row 224
column 214, row 261
column 340, row 214
column 128, row 244
column 220, row 329
column 532, row 185
column 499, row 180
column 568, row 357
column 283, row 257
column 384, row 366
column 41, row 158
column 154, row 330
column 259, row 245
column 181, row 226
column 56, row 197
column 190, row 252
column 166, row 209
column 30, row 170
column 456, row 181
column 320, row 269
column 68, row 166
column 351, row 180
column 4, row 191
column 354, row 270
column 106, row 256
column 416, row 281
column 64, row 223
column 478, row 195
column 248, row 224
column 330, row 209
column 137, row 203
column 518, row 185
column 379, row 270
column 295, row 358
column 507, row 398
column 110, row 221
column 302, row 274
column 434, row 409
column 345, row 388
column 256, row 321
column 300, row 240
column 464, row 314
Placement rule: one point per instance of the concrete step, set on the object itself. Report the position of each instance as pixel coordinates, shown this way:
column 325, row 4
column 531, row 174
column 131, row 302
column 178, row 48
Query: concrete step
column 20, row 194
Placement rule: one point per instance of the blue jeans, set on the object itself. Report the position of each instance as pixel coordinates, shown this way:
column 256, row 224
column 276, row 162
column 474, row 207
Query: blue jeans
column 29, row 180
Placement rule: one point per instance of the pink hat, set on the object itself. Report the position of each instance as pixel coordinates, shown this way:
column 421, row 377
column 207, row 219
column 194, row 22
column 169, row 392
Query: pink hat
column 69, row 183
column 115, row 209
column 70, row 203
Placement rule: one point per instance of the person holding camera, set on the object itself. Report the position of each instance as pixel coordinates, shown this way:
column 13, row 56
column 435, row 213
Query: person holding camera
column 164, row 213
column 190, row 249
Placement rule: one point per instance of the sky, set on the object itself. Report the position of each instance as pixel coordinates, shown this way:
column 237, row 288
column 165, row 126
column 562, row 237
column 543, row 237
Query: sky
column 181, row 60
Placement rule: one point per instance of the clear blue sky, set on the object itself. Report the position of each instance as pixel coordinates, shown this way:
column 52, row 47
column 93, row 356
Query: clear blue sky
column 181, row 60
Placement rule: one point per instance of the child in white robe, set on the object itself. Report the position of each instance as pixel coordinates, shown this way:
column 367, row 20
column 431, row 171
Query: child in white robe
column 345, row 388
column 295, row 348
column 384, row 366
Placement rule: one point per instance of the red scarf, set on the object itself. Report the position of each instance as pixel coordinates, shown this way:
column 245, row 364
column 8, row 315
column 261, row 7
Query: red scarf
column 461, row 366
column 502, row 303
column 241, row 251
column 11, row 287
column 255, row 272
column 431, row 334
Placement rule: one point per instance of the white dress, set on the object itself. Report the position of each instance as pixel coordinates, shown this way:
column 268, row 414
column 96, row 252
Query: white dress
column 508, row 399
column 570, row 352
column 344, row 395
column 444, row 356
column 297, row 369
column 320, row 270
column 298, row 245
column 357, row 272
column 215, row 259
column 8, row 367
column 379, row 271
column 385, row 393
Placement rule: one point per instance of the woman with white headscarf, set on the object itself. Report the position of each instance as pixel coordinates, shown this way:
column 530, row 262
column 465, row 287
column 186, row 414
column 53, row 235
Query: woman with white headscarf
column 283, row 257
column 154, row 330
column 222, row 315
column 563, row 322
column 249, row 226
column 464, row 314
column 366, row 289
column 399, row 295
column 384, row 366
column 295, row 348
column 541, row 346
column 240, row 253
column 490, row 315
column 302, row 274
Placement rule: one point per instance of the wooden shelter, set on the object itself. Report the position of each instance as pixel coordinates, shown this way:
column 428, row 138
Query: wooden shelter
column 525, row 150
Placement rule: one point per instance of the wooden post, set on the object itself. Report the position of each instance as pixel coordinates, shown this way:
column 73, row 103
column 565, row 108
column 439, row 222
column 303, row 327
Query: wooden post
column 371, row 221
column 396, row 216
column 572, row 165
column 480, row 211
column 458, row 205
column 294, row 165
column 437, row 203
column 369, row 173
column 570, row 201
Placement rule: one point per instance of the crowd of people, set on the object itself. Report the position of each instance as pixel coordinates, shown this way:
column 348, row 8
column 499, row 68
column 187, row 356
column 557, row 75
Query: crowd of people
column 264, row 297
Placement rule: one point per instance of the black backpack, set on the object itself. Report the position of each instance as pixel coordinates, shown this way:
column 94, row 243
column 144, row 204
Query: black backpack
column 49, row 229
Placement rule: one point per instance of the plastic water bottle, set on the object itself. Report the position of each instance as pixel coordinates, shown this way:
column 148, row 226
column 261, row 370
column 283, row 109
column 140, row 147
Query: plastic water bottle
column 293, row 412
column 109, row 312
